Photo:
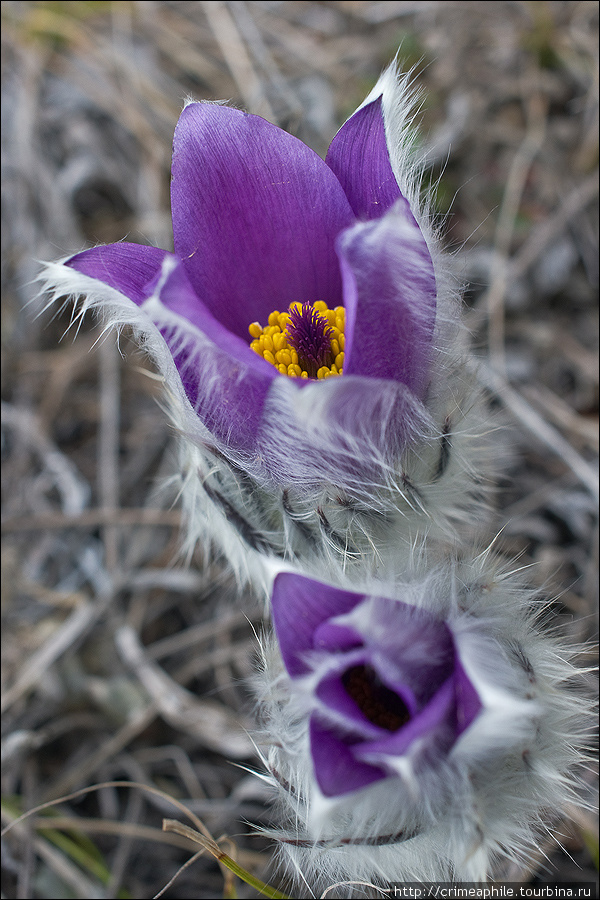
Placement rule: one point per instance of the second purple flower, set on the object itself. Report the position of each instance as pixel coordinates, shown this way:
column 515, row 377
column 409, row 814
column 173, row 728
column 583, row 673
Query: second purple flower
column 389, row 684
column 417, row 736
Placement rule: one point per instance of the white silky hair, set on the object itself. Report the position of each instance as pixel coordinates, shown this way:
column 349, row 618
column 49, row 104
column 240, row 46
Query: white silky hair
column 509, row 773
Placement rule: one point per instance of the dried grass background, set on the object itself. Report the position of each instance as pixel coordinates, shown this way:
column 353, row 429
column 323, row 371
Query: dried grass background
column 119, row 661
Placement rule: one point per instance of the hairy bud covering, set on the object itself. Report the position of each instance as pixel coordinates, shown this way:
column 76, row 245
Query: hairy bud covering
column 417, row 731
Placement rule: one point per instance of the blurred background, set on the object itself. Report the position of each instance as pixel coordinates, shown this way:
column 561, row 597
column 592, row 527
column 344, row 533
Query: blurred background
column 119, row 661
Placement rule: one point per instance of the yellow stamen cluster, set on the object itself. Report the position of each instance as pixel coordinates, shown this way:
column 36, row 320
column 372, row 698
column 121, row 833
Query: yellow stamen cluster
column 272, row 342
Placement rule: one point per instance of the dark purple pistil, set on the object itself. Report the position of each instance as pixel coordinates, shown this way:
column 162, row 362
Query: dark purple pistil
column 377, row 702
column 309, row 333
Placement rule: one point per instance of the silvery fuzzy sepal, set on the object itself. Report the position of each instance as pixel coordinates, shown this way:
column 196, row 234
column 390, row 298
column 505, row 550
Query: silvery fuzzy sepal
column 417, row 732
column 340, row 469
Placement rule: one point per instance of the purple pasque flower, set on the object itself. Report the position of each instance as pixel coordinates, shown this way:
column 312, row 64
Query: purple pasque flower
column 421, row 737
column 386, row 681
column 260, row 221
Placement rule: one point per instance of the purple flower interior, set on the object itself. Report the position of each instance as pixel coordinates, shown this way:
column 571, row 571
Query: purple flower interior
column 370, row 705
column 412, row 647
column 256, row 216
column 434, row 724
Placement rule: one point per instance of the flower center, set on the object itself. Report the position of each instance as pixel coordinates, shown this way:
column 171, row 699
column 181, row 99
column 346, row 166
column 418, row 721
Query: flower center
column 307, row 341
column 377, row 702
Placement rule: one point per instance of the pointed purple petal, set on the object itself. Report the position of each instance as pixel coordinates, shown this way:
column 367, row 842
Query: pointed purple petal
column 299, row 605
column 390, row 299
column 336, row 769
column 255, row 215
column 359, row 156
column 224, row 380
column 128, row 268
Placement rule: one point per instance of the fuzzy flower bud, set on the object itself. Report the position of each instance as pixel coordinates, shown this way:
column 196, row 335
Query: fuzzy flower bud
column 418, row 735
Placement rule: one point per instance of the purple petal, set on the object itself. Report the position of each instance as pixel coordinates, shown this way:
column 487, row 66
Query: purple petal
column 128, row 268
column 359, row 156
column 225, row 382
column 390, row 299
column 299, row 606
column 336, row 769
column 333, row 637
column 255, row 215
